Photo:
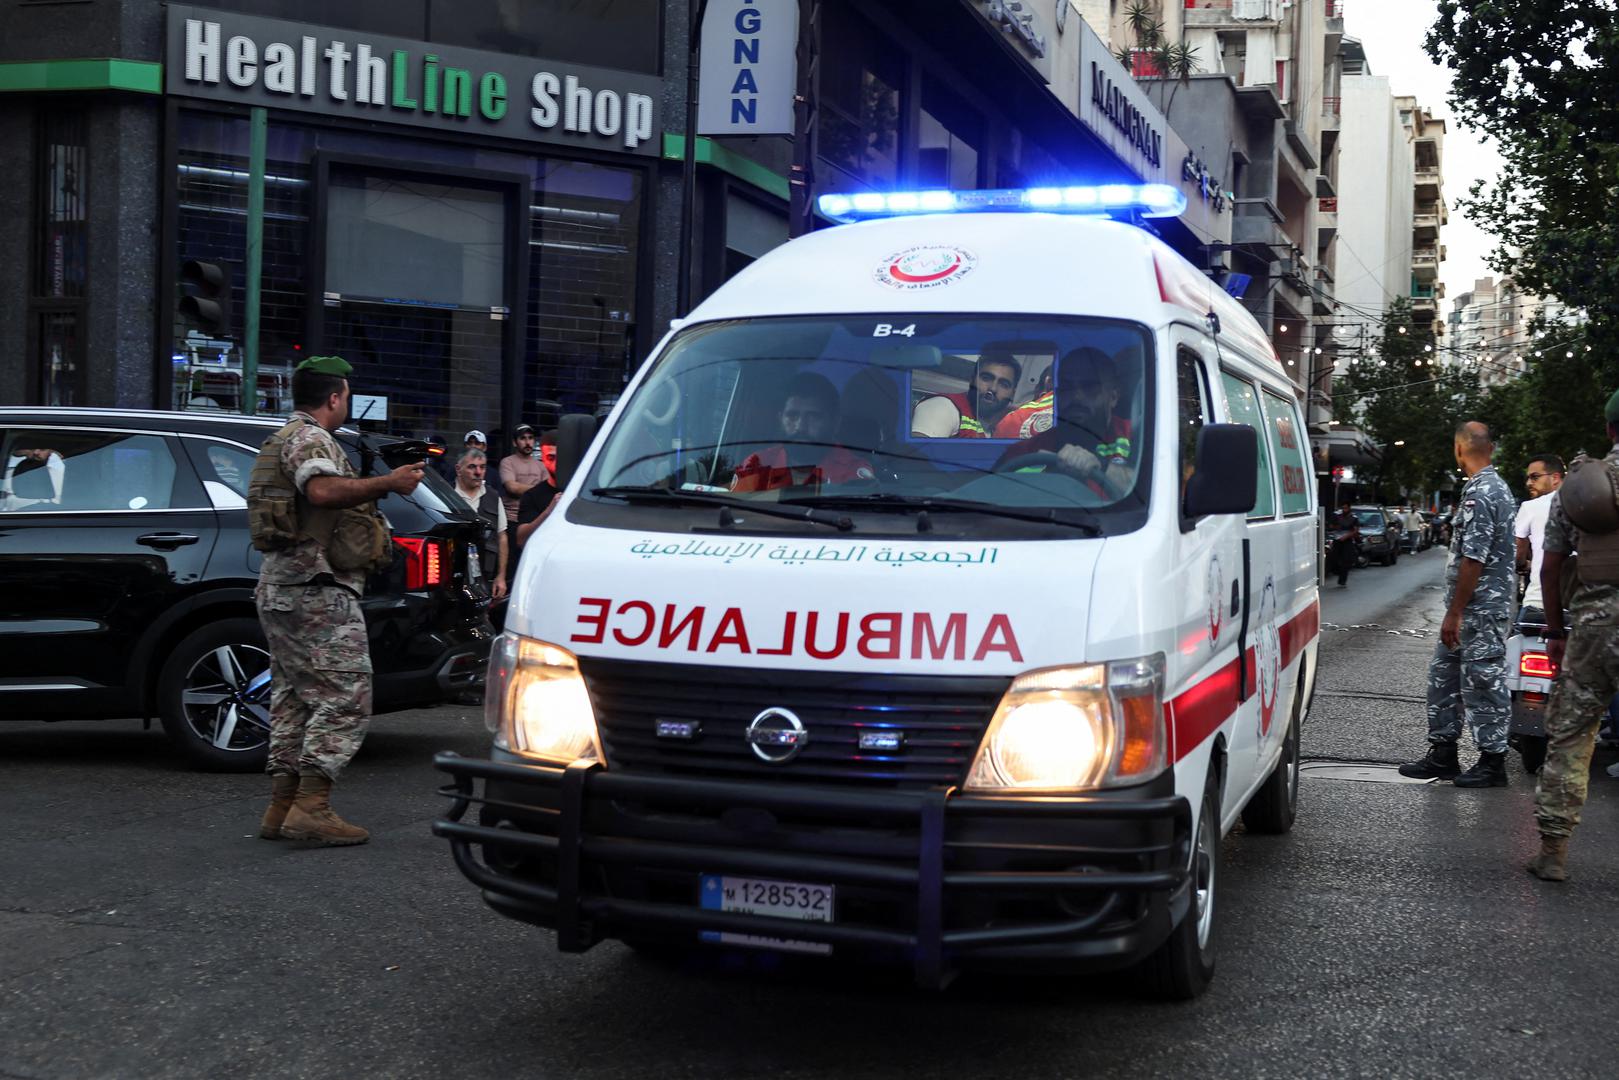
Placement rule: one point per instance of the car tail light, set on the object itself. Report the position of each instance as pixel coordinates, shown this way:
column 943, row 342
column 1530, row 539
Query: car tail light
column 425, row 561
column 1537, row 665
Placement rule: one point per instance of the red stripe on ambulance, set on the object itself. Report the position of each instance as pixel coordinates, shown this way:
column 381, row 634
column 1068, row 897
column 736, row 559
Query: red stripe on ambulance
column 1198, row 711
column 818, row 635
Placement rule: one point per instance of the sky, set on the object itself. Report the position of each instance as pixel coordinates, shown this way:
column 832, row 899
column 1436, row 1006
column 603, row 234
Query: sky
column 1392, row 32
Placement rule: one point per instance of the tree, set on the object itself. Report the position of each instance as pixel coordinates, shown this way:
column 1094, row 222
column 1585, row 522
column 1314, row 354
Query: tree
column 1154, row 56
column 1539, row 78
column 1407, row 397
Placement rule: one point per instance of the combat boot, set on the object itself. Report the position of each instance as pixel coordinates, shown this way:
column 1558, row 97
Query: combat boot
column 1490, row 770
column 1552, row 862
column 1439, row 763
column 283, row 789
column 312, row 818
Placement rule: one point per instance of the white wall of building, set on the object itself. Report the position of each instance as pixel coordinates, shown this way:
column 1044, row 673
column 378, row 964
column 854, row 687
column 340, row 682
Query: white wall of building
column 1374, row 199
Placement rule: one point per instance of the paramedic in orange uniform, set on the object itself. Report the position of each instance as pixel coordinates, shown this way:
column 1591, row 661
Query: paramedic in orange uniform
column 1090, row 439
column 989, row 397
column 807, row 454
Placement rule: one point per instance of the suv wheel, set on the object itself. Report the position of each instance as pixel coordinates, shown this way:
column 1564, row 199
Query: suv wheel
column 214, row 696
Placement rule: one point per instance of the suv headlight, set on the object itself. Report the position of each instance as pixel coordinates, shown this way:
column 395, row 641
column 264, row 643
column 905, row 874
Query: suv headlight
column 536, row 702
column 1076, row 729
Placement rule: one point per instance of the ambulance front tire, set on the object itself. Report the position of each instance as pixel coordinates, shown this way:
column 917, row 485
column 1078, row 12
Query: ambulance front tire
column 1183, row 965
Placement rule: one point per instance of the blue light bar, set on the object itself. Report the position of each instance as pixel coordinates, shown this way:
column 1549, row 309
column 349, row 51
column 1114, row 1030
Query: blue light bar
column 1147, row 200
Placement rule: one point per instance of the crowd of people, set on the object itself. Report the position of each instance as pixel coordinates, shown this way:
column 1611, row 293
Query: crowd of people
column 512, row 500
column 1493, row 541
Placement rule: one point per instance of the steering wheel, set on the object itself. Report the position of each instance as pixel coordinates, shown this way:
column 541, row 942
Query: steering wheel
column 1042, row 458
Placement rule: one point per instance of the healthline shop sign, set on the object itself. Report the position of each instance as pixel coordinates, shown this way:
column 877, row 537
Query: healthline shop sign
column 225, row 56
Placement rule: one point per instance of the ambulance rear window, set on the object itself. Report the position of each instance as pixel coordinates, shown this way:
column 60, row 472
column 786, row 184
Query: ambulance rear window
column 1031, row 411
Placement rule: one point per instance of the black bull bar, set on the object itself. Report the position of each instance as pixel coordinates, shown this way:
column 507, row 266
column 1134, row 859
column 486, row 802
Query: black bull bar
column 908, row 853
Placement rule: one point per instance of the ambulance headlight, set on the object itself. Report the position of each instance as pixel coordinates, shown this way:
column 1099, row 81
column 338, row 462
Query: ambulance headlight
column 1076, row 729
column 536, row 702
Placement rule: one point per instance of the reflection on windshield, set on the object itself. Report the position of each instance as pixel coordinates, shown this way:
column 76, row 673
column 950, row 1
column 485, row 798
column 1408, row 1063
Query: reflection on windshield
column 1005, row 412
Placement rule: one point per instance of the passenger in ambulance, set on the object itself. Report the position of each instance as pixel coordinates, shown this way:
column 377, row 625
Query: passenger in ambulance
column 973, row 413
column 808, row 453
column 1078, row 422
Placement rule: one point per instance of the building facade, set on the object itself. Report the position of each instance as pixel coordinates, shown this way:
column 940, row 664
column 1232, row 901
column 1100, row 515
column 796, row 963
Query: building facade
column 478, row 203
column 1428, row 213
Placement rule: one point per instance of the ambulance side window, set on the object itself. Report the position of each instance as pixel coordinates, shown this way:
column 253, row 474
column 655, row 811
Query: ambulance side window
column 1287, row 444
column 1192, row 412
column 1242, row 400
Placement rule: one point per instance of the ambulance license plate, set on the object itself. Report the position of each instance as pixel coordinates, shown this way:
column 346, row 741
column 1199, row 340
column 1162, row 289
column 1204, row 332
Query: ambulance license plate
column 778, row 899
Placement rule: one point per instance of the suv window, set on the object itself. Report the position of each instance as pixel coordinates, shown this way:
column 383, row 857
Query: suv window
column 54, row 470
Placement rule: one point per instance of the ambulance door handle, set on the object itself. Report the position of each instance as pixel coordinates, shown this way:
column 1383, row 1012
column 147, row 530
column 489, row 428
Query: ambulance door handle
column 1236, row 598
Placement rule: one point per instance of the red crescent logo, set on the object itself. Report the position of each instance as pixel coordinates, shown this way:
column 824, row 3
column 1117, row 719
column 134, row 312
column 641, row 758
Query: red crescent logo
column 900, row 275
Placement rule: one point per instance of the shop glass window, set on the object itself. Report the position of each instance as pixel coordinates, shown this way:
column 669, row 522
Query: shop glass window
column 53, row 470
column 1243, row 402
column 1286, row 440
column 949, row 140
column 60, row 260
column 859, row 106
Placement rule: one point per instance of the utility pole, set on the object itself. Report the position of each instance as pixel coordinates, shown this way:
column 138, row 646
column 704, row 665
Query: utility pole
column 688, row 161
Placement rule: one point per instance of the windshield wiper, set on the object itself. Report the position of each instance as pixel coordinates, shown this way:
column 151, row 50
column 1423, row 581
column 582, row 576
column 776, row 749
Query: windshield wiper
column 927, row 504
column 728, row 504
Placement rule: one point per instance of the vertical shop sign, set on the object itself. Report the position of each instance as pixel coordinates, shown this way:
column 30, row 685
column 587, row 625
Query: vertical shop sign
column 749, row 68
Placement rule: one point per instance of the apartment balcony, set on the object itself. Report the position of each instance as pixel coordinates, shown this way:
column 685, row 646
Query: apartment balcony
column 1425, row 227
column 1425, row 265
column 1423, row 291
column 1426, row 152
column 1323, row 297
column 1232, row 14
column 1427, row 185
column 1334, row 24
column 1326, row 220
column 1332, row 110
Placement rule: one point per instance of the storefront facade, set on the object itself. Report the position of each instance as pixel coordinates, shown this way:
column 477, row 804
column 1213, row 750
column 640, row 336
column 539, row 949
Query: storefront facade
column 477, row 203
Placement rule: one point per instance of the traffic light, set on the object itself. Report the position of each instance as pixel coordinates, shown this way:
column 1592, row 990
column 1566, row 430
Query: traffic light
column 206, row 297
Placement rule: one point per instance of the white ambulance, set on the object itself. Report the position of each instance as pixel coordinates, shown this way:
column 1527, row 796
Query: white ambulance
column 940, row 593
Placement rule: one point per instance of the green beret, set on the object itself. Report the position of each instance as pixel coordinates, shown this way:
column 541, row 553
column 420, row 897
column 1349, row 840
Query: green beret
column 1611, row 410
column 327, row 365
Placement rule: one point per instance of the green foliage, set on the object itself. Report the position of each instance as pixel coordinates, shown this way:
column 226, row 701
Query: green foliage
column 1540, row 79
column 1399, row 389
column 1175, row 61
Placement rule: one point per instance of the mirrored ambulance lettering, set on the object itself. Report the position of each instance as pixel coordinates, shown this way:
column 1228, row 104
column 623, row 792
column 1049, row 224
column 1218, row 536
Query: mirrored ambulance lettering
column 818, row 635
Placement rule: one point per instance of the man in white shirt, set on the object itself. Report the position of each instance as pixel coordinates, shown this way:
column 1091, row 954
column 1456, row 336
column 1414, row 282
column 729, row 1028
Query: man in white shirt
column 1542, row 476
column 469, row 484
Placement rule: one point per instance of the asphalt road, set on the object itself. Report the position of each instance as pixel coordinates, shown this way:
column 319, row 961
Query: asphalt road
column 145, row 932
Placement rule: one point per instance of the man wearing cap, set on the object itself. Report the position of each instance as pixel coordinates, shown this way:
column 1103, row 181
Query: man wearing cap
column 320, row 659
column 1467, row 674
column 520, row 471
column 1587, row 659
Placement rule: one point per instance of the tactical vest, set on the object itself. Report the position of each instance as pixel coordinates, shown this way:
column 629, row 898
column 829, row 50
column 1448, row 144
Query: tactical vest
column 355, row 538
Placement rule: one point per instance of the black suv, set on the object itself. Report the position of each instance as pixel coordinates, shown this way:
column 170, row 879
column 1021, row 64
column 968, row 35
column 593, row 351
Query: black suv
column 127, row 577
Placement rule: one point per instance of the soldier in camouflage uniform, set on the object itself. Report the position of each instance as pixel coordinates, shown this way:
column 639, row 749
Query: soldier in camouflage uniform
column 1468, row 671
column 1587, row 679
column 320, row 659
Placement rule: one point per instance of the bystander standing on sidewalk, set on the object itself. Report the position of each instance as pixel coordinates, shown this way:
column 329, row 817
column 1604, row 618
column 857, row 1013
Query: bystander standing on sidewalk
column 470, row 471
column 1467, row 675
column 1542, row 477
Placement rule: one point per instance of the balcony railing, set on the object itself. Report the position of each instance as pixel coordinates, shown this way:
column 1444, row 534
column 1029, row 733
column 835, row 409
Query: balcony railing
column 1335, row 9
column 1327, row 205
column 1419, row 291
column 1332, row 106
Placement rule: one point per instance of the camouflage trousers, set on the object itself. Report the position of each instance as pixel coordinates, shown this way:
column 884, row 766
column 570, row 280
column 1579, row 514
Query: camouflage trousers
column 1580, row 696
column 1471, row 681
column 320, row 676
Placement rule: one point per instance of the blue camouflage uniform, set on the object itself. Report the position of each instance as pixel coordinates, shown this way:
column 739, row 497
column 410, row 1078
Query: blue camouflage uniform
column 1472, row 678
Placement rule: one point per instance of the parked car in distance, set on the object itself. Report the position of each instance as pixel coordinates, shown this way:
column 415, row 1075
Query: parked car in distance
column 128, row 574
column 1380, row 532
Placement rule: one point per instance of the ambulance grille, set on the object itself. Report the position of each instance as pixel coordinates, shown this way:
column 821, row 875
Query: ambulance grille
column 942, row 720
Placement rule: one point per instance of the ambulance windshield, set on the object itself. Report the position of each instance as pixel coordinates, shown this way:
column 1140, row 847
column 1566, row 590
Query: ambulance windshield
column 1030, row 412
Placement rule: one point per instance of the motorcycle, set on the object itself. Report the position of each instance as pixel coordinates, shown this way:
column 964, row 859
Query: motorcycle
column 1530, row 672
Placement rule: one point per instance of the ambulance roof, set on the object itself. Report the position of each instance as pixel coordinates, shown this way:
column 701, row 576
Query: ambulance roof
column 987, row 263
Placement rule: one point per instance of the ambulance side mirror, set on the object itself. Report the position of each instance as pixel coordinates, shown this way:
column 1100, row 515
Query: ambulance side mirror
column 1225, row 473
column 574, row 434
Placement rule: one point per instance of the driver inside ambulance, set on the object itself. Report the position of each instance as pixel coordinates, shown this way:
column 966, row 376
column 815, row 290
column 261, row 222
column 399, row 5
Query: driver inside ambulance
column 1077, row 422
column 807, row 454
